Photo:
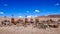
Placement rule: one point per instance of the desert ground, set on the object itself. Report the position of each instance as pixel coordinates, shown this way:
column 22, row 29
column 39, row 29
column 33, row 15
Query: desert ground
column 28, row 30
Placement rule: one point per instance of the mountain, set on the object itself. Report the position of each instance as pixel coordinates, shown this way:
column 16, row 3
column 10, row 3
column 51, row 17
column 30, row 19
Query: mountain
column 49, row 16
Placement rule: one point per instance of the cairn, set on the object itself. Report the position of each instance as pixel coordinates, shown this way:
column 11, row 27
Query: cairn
column 31, row 21
column 52, row 23
column 13, row 20
column 36, row 22
column 19, row 22
column 5, row 22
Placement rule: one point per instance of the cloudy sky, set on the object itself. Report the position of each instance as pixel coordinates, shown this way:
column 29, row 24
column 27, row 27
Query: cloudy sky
column 29, row 7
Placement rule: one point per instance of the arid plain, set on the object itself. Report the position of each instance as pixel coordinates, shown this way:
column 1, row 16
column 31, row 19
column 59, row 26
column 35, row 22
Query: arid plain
column 29, row 29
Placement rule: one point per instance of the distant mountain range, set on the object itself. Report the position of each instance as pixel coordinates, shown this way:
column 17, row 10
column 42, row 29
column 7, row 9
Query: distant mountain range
column 50, row 16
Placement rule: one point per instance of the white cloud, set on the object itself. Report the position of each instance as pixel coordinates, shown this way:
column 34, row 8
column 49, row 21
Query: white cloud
column 29, row 16
column 37, row 11
column 20, row 16
column 27, row 11
column 1, row 12
column 5, row 4
column 36, row 16
column 57, row 4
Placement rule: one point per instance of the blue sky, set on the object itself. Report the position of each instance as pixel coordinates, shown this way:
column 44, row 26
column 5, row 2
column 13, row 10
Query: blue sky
column 29, row 7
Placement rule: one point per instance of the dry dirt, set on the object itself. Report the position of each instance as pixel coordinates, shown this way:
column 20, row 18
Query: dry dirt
column 28, row 30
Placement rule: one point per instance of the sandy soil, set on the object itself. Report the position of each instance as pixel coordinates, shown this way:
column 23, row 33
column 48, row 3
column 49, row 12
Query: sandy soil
column 28, row 30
